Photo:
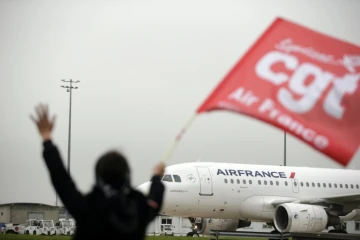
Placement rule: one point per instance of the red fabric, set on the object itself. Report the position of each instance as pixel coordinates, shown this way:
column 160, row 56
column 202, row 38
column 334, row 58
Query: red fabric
column 301, row 81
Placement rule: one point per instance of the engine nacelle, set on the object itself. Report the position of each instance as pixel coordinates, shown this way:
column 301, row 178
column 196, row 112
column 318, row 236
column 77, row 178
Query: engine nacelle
column 292, row 217
column 204, row 225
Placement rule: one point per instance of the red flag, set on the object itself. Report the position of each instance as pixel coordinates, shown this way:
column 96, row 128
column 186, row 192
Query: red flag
column 301, row 81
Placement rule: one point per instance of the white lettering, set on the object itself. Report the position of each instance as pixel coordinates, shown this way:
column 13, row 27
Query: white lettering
column 274, row 113
column 250, row 99
column 307, row 134
column 350, row 62
column 237, row 94
column 266, row 105
column 284, row 120
column 306, row 85
column 310, row 92
column 263, row 67
column 321, row 142
column 347, row 85
column 296, row 127
column 288, row 46
column 247, row 98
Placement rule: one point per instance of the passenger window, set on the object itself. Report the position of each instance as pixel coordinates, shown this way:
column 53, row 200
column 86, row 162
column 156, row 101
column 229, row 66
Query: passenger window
column 265, row 182
column 357, row 186
column 295, row 184
column 324, row 185
column 352, row 186
column 177, row 178
column 259, row 182
column 313, row 184
column 167, row 178
column 225, row 180
column 244, row 181
column 302, row 184
column 232, row 181
column 271, row 183
column 341, row 186
column 335, row 185
column 307, row 184
column 277, row 183
column 286, row 183
column 329, row 185
column 238, row 181
column 318, row 184
column 346, row 186
column 250, row 182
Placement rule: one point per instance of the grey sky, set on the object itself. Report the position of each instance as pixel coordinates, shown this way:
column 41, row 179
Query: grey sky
column 144, row 66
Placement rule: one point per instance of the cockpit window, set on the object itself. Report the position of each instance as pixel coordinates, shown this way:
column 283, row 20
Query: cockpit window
column 177, row 178
column 167, row 178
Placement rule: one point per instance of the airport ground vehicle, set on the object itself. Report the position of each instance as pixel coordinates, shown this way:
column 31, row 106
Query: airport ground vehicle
column 47, row 227
column 65, row 227
column 11, row 228
column 39, row 227
column 2, row 227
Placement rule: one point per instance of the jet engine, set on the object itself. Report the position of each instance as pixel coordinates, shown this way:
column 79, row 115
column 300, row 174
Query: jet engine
column 292, row 217
column 204, row 225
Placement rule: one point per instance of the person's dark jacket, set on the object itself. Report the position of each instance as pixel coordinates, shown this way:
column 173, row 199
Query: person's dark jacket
column 99, row 216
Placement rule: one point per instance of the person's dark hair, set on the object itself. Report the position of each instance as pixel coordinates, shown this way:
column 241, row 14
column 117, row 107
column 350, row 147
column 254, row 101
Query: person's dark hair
column 112, row 168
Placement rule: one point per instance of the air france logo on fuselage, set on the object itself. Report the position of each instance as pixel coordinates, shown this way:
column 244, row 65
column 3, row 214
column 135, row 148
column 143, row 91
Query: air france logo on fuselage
column 248, row 173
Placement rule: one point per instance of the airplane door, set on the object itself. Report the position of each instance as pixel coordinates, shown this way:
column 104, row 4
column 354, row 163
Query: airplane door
column 295, row 185
column 205, row 181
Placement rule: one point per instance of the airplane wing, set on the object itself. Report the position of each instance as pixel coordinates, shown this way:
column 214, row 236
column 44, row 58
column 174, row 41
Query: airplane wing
column 344, row 198
column 339, row 199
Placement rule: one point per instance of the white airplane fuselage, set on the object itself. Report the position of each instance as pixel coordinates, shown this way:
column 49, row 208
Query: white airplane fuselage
column 246, row 192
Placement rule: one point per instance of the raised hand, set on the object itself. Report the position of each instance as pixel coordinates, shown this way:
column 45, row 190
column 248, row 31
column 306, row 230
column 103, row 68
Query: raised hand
column 159, row 169
column 43, row 123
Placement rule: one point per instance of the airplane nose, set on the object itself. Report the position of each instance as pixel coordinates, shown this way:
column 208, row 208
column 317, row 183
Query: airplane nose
column 144, row 188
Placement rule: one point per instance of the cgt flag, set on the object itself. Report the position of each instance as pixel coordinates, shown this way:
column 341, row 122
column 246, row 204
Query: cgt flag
column 301, row 81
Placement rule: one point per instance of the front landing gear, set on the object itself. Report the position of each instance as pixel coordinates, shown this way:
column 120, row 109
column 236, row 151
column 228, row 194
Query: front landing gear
column 192, row 234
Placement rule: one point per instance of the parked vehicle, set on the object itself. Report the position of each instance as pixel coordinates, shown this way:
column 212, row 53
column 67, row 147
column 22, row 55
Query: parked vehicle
column 2, row 228
column 47, row 227
column 65, row 227
column 32, row 227
column 12, row 228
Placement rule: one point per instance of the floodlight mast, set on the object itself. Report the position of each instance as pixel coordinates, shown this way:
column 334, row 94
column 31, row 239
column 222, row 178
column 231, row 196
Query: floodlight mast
column 69, row 89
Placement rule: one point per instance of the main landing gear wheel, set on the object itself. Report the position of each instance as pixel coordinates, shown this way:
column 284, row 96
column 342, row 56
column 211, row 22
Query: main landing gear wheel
column 277, row 232
column 338, row 231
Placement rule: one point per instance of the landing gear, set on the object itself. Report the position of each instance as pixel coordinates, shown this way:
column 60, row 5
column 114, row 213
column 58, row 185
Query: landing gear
column 276, row 238
column 192, row 234
column 196, row 225
column 339, row 229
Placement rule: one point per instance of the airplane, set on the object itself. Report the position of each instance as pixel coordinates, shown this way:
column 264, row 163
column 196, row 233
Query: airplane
column 228, row 196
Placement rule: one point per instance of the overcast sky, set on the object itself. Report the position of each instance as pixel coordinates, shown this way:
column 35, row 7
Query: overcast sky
column 145, row 67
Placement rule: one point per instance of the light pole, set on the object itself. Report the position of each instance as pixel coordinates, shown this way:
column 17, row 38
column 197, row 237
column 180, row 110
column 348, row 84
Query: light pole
column 284, row 148
column 69, row 89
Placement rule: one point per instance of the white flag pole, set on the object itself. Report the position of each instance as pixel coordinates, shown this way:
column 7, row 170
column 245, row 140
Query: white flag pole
column 178, row 138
